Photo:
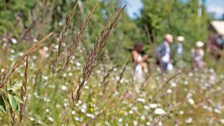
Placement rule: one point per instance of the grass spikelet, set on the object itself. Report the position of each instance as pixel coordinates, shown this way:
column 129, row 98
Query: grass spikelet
column 92, row 57
column 78, row 38
column 62, row 37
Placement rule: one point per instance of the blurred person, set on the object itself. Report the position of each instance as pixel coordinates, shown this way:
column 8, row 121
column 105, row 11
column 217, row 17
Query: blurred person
column 140, row 65
column 179, row 53
column 180, row 47
column 215, row 45
column 163, row 53
column 197, row 54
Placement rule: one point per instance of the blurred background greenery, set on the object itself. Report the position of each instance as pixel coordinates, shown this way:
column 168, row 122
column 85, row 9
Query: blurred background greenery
column 29, row 19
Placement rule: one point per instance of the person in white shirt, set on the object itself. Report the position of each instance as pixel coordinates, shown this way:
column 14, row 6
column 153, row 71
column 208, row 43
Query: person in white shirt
column 197, row 54
column 164, row 54
column 139, row 61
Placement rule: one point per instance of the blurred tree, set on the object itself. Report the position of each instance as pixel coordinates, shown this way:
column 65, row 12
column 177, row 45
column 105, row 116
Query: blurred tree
column 175, row 17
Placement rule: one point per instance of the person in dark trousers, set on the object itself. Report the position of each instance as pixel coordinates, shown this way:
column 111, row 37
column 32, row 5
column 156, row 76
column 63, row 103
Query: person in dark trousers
column 164, row 54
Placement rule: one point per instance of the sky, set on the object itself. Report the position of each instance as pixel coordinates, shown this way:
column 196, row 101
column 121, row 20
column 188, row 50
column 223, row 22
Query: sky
column 214, row 6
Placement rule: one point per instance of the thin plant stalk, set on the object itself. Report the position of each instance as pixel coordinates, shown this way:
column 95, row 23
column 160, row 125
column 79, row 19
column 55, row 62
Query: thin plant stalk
column 91, row 59
column 24, row 91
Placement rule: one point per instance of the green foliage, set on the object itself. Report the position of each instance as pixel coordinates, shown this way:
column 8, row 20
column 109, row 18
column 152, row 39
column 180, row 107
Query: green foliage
column 9, row 13
column 2, row 105
column 175, row 17
column 13, row 102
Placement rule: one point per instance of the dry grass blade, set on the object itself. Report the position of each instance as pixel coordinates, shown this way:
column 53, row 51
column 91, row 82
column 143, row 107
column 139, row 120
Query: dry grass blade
column 24, row 91
column 171, row 78
column 77, row 39
column 105, row 80
column 160, row 118
column 122, row 73
column 62, row 37
column 92, row 57
column 5, row 76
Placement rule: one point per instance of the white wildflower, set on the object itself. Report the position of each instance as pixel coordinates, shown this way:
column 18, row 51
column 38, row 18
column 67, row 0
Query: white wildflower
column 2, row 70
column 222, row 121
column 63, row 88
column 34, row 57
column 185, row 82
column 148, row 123
column 83, row 110
column 211, row 70
column 58, row 106
column 160, row 123
column 73, row 112
column 115, row 69
column 60, row 23
column 189, row 120
column 78, row 64
column 13, row 40
column 120, row 120
column 107, row 123
column 159, row 111
column 190, row 74
column 84, row 106
column 86, row 86
column 135, row 109
column 153, row 105
column 70, row 74
column 117, row 78
column 90, row 115
column 65, row 104
column 191, row 101
column 31, row 118
column 47, row 110
column 40, row 122
column 181, row 112
column 45, row 77
column 77, row 119
column 56, row 46
column 50, row 119
column 146, row 107
column 64, row 75
column 12, row 51
column 130, row 112
column 135, row 123
column 21, row 53
column 173, row 84
column 169, row 91
column 143, row 117
column 35, row 40
column 141, row 100
column 217, row 111
column 189, row 95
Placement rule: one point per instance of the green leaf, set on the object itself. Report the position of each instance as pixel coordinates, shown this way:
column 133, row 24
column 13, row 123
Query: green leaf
column 16, row 86
column 18, row 99
column 2, row 105
column 13, row 102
